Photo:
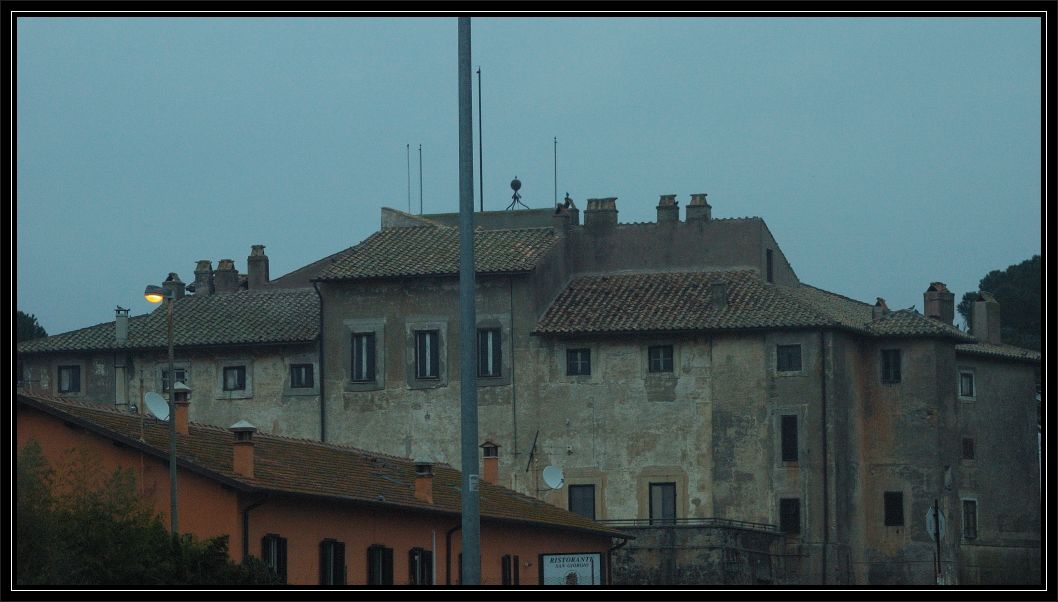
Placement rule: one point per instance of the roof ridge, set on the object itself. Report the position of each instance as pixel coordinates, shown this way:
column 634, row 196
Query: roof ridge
column 833, row 294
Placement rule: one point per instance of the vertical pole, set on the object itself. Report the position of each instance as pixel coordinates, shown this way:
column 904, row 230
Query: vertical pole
column 481, row 152
column 173, row 521
column 408, row 149
column 420, row 179
column 468, row 389
column 936, row 537
column 556, row 170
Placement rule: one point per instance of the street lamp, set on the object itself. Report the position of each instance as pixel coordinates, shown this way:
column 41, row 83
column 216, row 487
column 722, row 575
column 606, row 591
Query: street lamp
column 155, row 294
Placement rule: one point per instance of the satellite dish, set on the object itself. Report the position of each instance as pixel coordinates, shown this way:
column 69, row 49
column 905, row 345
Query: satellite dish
column 553, row 477
column 157, row 405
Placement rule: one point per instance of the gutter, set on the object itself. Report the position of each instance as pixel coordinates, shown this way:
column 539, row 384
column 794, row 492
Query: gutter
column 246, row 527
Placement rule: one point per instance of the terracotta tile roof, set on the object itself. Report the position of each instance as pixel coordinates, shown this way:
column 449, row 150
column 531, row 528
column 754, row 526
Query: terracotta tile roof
column 681, row 301
column 244, row 317
column 1000, row 351
column 429, row 251
column 300, row 466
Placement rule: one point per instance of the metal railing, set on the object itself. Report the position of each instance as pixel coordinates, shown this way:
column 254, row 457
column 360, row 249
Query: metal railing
column 690, row 522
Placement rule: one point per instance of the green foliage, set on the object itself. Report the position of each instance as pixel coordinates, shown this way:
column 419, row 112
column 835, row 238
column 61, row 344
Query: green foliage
column 26, row 327
column 78, row 526
column 1018, row 289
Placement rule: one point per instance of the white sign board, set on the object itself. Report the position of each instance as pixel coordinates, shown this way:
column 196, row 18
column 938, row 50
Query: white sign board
column 571, row 569
column 931, row 526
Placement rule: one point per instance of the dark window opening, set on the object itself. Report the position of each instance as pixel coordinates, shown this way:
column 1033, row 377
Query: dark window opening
column 509, row 570
column 274, row 554
column 894, row 509
column 301, row 376
column 582, row 500
column 890, row 366
column 426, row 354
column 578, row 362
column 489, row 352
column 663, row 503
column 660, row 358
column 235, row 378
column 379, row 565
column 420, row 566
column 788, row 358
column 967, row 448
column 69, row 379
column 789, row 438
column 966, row 384
column 790, row 515
column 181, row 377
column 332, row 562
column 363, row 355
column 969, row 519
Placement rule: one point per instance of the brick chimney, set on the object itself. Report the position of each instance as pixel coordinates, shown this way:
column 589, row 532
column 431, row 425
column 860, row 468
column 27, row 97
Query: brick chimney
column 181, row 400
column 668, row 209
column 204, row 277
column 121, row 324
column 242, row 448
column 491, row 460
column 601, row 214
column 424, row 481
column 880, row 309
column 939, row 303
column 226, row 277
column 256, row 267
column 175, row 285
column 699, row 208
column 986, row 319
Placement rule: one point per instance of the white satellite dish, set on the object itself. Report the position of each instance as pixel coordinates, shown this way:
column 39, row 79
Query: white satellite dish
column 553, row 477
column 157, row 405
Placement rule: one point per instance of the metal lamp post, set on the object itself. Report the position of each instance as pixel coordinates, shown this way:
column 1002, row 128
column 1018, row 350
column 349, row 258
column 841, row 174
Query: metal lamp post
column 155, row 294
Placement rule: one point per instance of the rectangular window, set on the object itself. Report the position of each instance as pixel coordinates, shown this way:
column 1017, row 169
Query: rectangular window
column 578, row 362
column 969, row 519
column 966, row 383
column 332, row 562
column 663, row 503
column 891, row 366
column 363, row 357
column 967, row 448
column 420, row 566
column 660, row 357
column 789, row 438
column 274, row 554
column 489, row 352
column 582, row 500
column 894, row 508
column 69, row 379
column 790, row 515
column 426, row 354
column 301, row 376
column 235, row 378
column 509, row 570
column 181, row 377
column 787, row 358
column 379, row 565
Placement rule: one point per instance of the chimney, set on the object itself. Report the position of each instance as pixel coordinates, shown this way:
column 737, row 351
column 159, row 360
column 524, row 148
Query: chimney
column 668, row 209
column 226, row 277
column 242, row 449
column 121, row 324
column 256, row 267
column 986, row 319
column 601, row 214
column 699, row 208
column 880, row 309
column 718, row 294
column 174, row 285
column 424, row 481
column 204, row 277
column 491, row 459
column 939, row 303
column 181, row 393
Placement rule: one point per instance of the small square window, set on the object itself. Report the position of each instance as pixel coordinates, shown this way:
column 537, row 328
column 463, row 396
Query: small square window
column 788, row 358
column 69, row 379
column 891, row 366
column 660, row 358
column 427, row 354
column 578, row 362
column 894, row 509
column 966, row 383
column 235, row 378
column 967, row 448
column 301, row 376
column 790, row 515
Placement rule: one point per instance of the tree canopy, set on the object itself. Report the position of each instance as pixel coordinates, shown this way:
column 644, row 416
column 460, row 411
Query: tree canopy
column 1018, row 289
column 26, row 327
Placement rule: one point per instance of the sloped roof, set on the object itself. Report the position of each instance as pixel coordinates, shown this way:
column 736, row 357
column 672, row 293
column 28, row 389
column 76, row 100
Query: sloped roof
column 244, row 317
column 681, row 301
column 431, row 251
column 300, row 466
column 1008, row 352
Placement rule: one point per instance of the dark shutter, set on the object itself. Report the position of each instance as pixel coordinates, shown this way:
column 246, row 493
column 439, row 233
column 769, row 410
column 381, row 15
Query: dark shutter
column 505, row 570
column 514, row 564
column 370, row 376
column 497, row 356
column 434, row 353
column 789, row 438
column 339, row 562
column 325, row 563
column 790, row 515
column 282, row 559
column 387, row 566
column 373, row 569
column 894, row 508
column 483, row 360
column 427, row 567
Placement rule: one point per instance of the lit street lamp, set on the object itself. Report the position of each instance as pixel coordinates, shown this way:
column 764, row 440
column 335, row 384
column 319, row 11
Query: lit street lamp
column 155, row 294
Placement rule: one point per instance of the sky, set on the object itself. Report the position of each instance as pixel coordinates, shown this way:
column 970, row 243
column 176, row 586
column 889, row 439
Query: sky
column 883, row 153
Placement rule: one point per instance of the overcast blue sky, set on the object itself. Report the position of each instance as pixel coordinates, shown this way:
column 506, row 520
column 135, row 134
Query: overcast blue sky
column 883, row 153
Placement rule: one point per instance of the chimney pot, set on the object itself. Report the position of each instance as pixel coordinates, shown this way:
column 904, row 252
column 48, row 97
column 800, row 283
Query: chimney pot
column 242, row 448
column 699, row 208
column 226, row 277
column 880, row 309
column 491, row 460
column 181, row 401
column 424, row 481
column 986, row 319
column 668, row 209
column 204, row 277
column 601, row 213
column 121, row 324
column 256, row 268
column 939, row 303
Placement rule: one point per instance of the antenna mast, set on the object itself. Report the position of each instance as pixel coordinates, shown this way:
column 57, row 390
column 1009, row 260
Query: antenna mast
column 556, row 170
column 481, row 152
column 408, row 149
column 420, row 179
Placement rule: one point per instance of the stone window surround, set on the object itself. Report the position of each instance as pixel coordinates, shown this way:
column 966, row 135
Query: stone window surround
column 591, row 476
column 302, row 358
column 958, row 382
column 370, row 326
column 246, row 393
column 661, row 474
column 503, row 322
column 83, row 377
column 163, row 365
column 416, row 323
column 800, row 411
column 596, row 362
column 969, row 497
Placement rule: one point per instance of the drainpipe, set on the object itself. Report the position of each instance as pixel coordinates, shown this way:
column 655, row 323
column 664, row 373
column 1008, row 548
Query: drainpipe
column 323, row 415
column 246, row 528
column 448, row 553
column 826, row 490
column 514, row 391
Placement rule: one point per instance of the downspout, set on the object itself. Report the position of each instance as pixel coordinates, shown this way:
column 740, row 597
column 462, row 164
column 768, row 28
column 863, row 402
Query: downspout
column 514, row 391
column 246, row 528
column 323, row 414
column 609, row 559
column 448, row 553
column 826, row 490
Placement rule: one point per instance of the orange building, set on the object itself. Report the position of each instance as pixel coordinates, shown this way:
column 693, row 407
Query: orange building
column 322, row 513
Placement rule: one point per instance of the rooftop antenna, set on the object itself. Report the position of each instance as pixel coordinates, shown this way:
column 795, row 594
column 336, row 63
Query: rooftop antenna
column 420, row 179
column 556, row 170
column 516, row 199
column 408, row 149
column 481, row 152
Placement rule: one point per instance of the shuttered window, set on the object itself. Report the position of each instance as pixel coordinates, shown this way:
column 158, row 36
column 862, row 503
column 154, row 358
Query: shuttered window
column 788, row 358
column 363, row 369
column 274, row 554
column 969, row 519
column 332, row 562
column 69, row 379
column 582, row 500
column 379, row 565
column 301, row 376
column 509, row 570
column 420, row 566
column 578, row 362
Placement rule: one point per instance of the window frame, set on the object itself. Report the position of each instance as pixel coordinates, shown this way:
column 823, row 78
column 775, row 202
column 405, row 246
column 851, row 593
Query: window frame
column 311, row 373
column 494, row 361
column 510, row 569
column 164, row 376
column 420, row 566
column 272, row 542
column 579, row 357
column 972, row 373
column 77, row 371
column 661, row 358
column 580, row 487
column 381, row 557
column 969, row 445
column 357, row 359
column 892, row 374
column 433, row 353
column 240, row 370
column 662, row 520
column 789, row 451
column 974, row 533
column 332, row 562
column 779, row 356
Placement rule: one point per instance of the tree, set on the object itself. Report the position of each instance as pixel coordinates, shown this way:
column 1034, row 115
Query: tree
column 27, row 328
column 79, row 526
column 1018, row 289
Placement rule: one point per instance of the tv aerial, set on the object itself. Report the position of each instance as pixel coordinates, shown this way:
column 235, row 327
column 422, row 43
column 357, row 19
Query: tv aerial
column 553, row 477
column 157, row 405
column 516, row 199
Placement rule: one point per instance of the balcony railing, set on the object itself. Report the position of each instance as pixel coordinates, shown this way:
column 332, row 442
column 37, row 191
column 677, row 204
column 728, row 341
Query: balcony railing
column 690, row 522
